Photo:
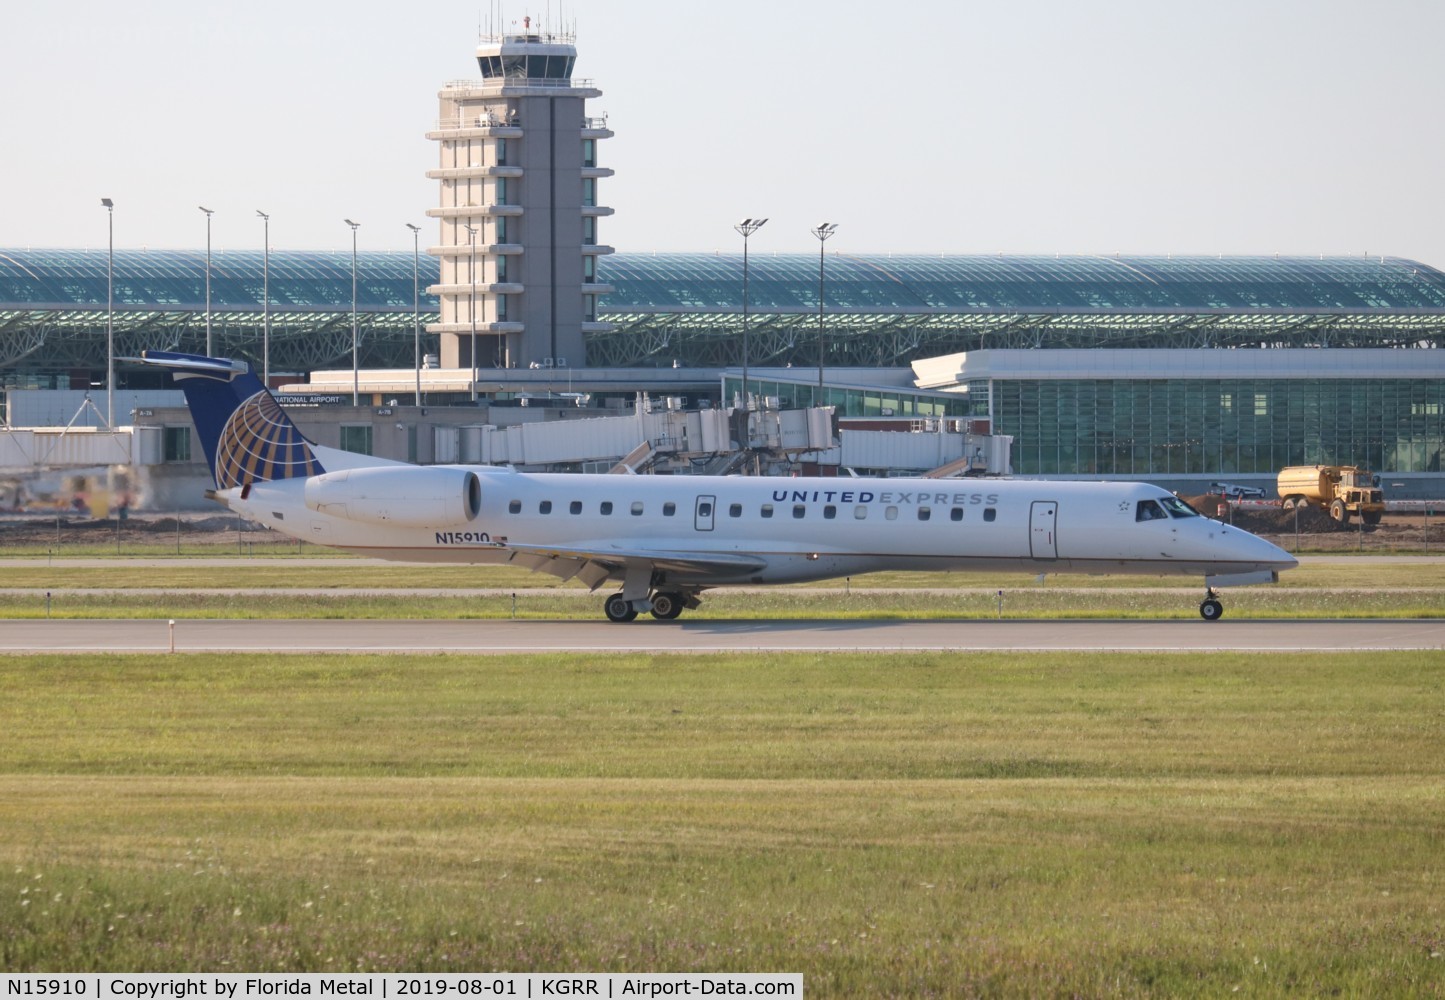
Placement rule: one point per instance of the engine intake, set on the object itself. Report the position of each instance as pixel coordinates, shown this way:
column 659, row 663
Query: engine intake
column 402, row 497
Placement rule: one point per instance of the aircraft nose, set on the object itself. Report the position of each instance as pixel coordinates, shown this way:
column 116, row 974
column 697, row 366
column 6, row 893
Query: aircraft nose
column 1267, row 554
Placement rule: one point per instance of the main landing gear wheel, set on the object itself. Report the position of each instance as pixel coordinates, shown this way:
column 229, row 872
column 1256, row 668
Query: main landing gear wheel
column 666, row 606
column 1211, row 610
column 619, row 609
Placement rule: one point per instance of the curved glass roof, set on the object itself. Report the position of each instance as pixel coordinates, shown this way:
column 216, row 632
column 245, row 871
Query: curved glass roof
column 787, row 282
column 177, row 278
column 782, row 283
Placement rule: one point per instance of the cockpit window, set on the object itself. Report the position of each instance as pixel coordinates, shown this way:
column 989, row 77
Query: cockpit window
column 1149, row 510
column 1178, row 508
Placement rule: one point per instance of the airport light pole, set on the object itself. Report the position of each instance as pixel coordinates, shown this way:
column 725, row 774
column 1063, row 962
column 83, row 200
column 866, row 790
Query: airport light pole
column 110, row 315
column 416, row 301
column 822, row 231
column 265, row 299
column 747, row 227
column 203, row 208
column 355, row 357
column 472, row 309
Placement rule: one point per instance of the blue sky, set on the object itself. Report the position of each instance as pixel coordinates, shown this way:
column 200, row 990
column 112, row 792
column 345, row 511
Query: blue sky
column 1039, row 126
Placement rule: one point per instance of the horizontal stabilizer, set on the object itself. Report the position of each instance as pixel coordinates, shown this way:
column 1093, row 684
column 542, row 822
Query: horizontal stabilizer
column 198, row 364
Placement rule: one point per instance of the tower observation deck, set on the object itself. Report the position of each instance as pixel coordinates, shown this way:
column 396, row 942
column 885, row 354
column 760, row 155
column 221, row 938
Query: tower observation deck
column 518, row 214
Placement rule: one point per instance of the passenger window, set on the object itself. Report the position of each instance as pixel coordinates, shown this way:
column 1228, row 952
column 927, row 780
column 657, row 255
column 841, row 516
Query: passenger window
column 545, row 507
column 860, row 511
column 799, row 511
column 515, row 507
column 575, row 507
column 735, row 510
column 924, row 513
column 637, row 508
column 1148, row 510
column 956, row 514
column 767, row 510
column 704, row 510
column 669, row 509
column 890, row 513
column 830, row 512
column 989, row 513
column 606, row 507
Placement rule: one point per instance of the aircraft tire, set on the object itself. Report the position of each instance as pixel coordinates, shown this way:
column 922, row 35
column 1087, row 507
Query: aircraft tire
column 1211, row 610
column 618, row 609
column 666, row 606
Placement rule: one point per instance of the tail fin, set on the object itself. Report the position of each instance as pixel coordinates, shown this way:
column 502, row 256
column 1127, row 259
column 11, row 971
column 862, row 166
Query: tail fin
column 246, row 435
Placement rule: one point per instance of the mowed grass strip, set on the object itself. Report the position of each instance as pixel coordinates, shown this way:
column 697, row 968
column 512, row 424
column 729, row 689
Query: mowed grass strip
column 735, row 716
column 344, row 572
column 179, row 589
column 721, row 605
column 889, row 825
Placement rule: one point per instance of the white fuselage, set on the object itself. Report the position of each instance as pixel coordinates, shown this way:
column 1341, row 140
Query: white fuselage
column 779, row 530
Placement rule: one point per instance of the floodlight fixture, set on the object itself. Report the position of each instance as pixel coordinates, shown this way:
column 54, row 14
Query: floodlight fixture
column 110, row 314
column 265, row 298
column 355, row 354
column 823, row 230
column 209, row 213
column 416, row 300
column 747, row 227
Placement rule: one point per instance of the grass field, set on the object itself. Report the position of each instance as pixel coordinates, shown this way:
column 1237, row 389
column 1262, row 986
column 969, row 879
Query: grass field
column 907, row 825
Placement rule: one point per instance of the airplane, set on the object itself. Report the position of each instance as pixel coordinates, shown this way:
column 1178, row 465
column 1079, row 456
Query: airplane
column 667, row 539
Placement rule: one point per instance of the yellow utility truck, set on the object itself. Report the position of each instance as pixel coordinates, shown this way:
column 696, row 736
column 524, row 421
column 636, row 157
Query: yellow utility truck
column 1343, row 490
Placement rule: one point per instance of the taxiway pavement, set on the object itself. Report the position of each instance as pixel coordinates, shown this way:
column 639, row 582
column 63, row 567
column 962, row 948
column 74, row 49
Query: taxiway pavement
column 700, row 636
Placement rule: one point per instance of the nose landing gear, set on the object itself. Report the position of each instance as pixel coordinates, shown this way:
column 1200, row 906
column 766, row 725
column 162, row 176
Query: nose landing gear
column 1211, row 610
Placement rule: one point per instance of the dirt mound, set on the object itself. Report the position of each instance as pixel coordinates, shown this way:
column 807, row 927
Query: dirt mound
column 1277, row 521
column 1267, row 520
column 144, row 530
column 218, row 522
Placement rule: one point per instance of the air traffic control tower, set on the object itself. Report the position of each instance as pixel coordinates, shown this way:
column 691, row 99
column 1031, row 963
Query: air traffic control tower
column 519, row 210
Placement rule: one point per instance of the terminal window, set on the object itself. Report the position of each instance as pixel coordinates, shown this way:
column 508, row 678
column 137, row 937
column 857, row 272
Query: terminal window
column 176, row 444
column 356, row 439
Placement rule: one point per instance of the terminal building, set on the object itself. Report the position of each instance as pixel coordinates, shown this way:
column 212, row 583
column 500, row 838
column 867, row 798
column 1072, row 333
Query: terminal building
column 1172, row 368
column 1128, row 367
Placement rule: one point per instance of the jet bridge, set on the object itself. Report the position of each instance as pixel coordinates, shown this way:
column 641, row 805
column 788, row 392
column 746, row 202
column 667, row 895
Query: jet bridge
column 660, row 441
column 37, row 449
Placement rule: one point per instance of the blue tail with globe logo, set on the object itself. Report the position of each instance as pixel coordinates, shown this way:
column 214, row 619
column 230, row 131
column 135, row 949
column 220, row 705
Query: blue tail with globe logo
column 246, row 435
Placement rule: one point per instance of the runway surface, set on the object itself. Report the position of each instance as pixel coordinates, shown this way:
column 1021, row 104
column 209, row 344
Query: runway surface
column 502, row 637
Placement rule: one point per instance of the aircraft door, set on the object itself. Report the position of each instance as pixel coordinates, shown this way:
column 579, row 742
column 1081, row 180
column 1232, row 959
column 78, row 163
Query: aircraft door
column 1043, row 518
column 703, row 513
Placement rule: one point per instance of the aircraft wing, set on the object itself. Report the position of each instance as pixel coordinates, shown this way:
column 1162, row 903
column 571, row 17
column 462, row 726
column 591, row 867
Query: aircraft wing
column 593, row 566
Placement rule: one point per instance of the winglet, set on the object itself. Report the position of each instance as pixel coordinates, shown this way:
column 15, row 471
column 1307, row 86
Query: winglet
column 246, row 435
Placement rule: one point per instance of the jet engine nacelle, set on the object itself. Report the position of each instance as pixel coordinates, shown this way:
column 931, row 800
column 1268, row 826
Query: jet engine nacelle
column 402, row 497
